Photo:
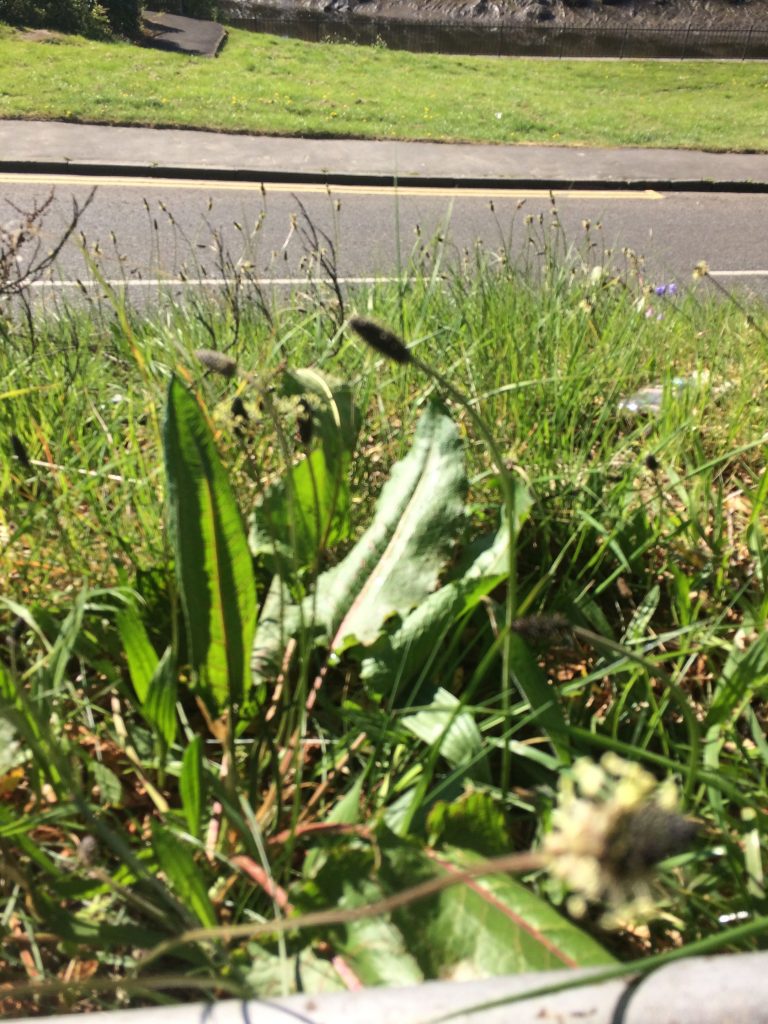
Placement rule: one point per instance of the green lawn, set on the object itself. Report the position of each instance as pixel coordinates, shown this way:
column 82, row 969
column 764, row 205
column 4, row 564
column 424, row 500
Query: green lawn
column 263, row 84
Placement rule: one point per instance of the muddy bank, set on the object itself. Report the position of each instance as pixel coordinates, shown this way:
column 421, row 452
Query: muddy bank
column 618, row 15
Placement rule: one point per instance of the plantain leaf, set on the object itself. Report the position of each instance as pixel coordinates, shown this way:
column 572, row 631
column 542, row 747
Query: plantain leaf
column 139, row 652
column 191, row 786
column 446, row 723
column 186, row 879
column 475, row 821
column 400, row 656
column 334, row 412
column 397, row 561
column 484, row 927
column 160, row 706
column 298, row 518
column 213, row 563
column 744, row 672
column 490, row 926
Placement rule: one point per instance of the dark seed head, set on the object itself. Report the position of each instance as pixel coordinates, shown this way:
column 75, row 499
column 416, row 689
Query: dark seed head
column 216, row 361
column 544, row 629
column 238, row 409
column 644, row 837
column 19, row 451
column 381, row 339
column 652, row 463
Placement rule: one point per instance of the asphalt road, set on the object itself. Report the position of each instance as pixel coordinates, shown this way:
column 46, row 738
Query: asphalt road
column 146, row 231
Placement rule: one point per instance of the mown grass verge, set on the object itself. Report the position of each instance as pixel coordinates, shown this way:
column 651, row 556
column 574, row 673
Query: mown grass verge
column 162, row 810
column 263, row 84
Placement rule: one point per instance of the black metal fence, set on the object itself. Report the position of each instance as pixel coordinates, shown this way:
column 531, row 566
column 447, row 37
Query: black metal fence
column 504, row 40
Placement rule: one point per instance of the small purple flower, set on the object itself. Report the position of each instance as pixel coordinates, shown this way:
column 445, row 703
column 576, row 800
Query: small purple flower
column 666, row 289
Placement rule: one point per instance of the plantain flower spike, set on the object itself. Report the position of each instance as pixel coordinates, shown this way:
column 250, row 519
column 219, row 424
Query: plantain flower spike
column 612, row 824
column 218, row 362
column 381, row 339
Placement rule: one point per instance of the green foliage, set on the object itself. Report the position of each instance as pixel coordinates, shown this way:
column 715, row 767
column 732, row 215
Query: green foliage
column 261, row 84
column 86, row 17
column 213, row 565
column 495, row 926
column 394, row 565
column 147, row 786
column 189, row 8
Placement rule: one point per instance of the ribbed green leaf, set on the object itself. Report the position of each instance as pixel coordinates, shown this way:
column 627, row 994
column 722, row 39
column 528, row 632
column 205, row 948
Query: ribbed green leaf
column 305, row 514
column 160, row 706
column 397, row 561
column 213, row 563
column 374, row 947
column 184, row 876
column 743, row 672
column 401, row 655
column 191, row 786
column 139, row 652
column 446, row 723
column 334, row 413
column 488, row 926
column 491, row 926
column 475, row 822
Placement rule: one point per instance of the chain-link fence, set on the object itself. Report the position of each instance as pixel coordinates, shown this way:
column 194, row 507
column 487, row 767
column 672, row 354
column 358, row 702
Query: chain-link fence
column 506, row 39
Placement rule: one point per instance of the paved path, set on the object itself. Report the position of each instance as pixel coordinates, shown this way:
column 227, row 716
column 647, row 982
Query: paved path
column 55, row 146
column 184, row 35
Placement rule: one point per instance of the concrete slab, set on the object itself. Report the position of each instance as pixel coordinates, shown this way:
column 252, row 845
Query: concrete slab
column 55, row 146
column 184, row 35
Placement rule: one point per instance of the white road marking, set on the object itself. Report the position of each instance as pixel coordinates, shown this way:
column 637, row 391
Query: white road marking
column 209, row 282
column 738, row 273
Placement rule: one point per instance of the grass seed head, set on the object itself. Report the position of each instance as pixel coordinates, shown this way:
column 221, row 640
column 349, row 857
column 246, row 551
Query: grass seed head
column 384, row 341
column 542, row 630
column 216, row 361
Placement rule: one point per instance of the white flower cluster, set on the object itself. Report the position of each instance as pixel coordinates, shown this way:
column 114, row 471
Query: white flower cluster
column 613, row 822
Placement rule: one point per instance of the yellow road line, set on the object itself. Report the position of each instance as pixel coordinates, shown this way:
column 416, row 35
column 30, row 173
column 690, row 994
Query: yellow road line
column 353, row 190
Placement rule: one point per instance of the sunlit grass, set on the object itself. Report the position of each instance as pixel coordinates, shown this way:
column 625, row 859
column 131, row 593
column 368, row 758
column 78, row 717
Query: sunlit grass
column 646, row 536
column 267, row 85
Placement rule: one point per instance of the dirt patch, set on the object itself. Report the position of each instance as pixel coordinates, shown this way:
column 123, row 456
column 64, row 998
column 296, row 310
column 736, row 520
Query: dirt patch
column 41, row 35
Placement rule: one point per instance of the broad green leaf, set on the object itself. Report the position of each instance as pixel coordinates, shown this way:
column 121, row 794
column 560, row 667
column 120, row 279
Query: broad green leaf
column 191, row 786
column 160, row 706
column 12, row 752
column 374, row 947
column 139, row 652
column 397, row 561
column 99, row 935
column 273, row 975
column 110, row 787
column 213, row 563
column 445, row 722
column 279, row 620
column 641, row 620
column 490, row 926
column 540, row 694
column 185, row 877
column 300, row 517
column 475, row 822
column 400, row 656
